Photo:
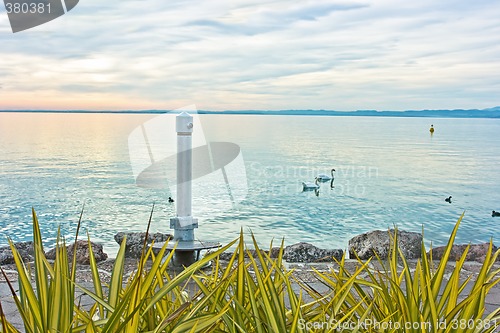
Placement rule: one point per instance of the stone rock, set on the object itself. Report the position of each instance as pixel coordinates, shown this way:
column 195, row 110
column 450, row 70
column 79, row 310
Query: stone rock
column 25, row 249
column 305, row 252
column 82, row 252
column 135, row 241
column 378, row 241
column 477, row 252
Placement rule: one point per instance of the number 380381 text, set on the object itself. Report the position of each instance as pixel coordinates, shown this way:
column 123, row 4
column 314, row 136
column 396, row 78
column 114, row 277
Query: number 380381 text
column 27, row 8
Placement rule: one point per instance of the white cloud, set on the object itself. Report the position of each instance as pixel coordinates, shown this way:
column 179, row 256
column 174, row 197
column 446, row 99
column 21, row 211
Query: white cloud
column 342, row 55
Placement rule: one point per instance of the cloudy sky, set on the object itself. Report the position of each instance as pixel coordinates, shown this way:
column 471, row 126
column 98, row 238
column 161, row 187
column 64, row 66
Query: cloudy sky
column 242, row 54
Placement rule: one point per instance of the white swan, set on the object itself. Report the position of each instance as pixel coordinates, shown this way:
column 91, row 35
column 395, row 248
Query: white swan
column 324, row 178
column 307, row 186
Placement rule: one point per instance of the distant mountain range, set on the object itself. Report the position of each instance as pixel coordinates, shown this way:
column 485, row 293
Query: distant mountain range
column 457, row 113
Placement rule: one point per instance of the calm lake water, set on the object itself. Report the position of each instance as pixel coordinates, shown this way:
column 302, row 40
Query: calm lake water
column 389, row 171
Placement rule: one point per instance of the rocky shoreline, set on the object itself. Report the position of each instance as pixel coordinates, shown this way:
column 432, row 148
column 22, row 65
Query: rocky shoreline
column 295, row 256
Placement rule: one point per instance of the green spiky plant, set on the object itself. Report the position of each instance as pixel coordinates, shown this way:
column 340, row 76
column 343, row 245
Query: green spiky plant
column 47, row 306
column 420, row 301
column 253, row 294
column 150, row 301
column 262, row 294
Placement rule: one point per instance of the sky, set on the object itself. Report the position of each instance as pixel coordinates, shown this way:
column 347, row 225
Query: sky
column 256, row 55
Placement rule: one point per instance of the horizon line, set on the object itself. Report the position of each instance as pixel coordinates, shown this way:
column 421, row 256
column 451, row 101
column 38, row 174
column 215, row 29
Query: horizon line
column 257, row 111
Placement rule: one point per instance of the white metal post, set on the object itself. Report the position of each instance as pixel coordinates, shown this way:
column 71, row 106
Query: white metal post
column 187, row 249
column 184, row 129
column 184, row 223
